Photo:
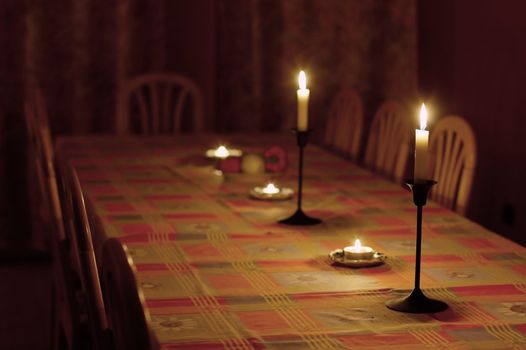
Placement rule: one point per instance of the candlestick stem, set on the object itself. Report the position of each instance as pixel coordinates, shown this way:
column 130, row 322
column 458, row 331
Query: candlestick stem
column 300, row 173
column 417, row 302
column 299, row 217
column 418, row 245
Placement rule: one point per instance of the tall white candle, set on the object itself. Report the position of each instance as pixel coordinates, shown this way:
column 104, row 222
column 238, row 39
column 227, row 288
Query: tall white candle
column 421, row 143
column 303, row 102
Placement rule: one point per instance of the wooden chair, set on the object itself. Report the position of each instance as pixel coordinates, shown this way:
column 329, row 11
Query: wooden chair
column 67, row 314
column 343, row 131
column 89, row 272
column 127, row 314
column 41, row 155
column 389, row 139
column 159, row 103
column 454, row 157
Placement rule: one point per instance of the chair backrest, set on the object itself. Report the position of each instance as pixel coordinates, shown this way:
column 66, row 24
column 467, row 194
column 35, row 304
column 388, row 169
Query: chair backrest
column 89, row 271
column 50, row 210
column 389, row 139
column 156, row 103
column 41, row 153
column 343, row 131
column 127, row 314
column 454, row 157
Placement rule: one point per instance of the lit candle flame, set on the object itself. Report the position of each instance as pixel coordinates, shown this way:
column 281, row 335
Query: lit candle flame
column 302, row 80
column 357, row 245
column 221, row 152
column 423, row 117
column 270, row 189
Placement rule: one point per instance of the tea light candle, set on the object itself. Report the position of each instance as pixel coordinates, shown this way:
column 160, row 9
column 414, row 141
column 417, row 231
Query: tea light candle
column 357, row 252
column 270, row 189
column 221, row 152
column 271, row 192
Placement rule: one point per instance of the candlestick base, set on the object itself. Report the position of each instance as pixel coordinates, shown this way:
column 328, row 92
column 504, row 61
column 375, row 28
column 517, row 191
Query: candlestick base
column 416, row 303
column 299, row 218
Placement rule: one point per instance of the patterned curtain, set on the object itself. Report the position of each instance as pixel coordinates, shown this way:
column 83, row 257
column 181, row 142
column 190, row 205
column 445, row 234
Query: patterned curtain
column 77, row 52
column 80, row 51
column 369, row 45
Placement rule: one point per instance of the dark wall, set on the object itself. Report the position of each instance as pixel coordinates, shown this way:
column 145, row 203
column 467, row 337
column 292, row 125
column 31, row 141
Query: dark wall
column 191, row 47
column 472, row 62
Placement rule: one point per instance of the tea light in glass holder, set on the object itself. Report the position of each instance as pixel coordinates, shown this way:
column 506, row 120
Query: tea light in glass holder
column 271, row 192
column 358, row 252
column 223, row 152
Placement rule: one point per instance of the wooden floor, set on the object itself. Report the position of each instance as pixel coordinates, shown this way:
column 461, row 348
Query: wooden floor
column 25, row 304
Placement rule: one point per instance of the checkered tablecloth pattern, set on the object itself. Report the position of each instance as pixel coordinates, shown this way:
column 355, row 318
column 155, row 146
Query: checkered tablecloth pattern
column 218, row 272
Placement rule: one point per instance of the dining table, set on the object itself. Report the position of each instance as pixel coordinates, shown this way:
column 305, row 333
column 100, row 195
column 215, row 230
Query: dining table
column 218, row 270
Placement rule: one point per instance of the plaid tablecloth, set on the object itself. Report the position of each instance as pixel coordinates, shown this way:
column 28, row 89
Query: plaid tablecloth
column 218, row 272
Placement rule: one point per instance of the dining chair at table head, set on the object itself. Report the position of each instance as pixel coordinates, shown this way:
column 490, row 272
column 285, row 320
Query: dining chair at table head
column 454, row 156
column 67, row 329
column 389, row 139
column 127, row 314
column 89, row 271
column 42, row 163
column 158, row 103
column 343, row 130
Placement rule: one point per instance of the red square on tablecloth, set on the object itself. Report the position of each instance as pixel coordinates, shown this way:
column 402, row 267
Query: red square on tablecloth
column 262, row 320
column 101, row 189
column 378, row 339
column 202, row 251
column 118, row 207
column 136, row 228
column 521, row 328
column 520, row 269
column 226, row 281
column 477, row 243
column 390, row 220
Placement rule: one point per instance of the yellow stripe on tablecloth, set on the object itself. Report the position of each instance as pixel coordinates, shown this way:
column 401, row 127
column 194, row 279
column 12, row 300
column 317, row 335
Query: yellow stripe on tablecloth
column 208, row 306
column 473, row 313
column 430, row 337
column 398, row 264
column 505, row 333
column 442, row 293
column 471, row 257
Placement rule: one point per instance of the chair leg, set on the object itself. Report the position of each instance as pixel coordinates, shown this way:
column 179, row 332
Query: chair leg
column 57, row 334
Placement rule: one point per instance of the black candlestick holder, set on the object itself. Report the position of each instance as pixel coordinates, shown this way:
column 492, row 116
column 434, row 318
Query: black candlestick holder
column 417, row 302
column 299, row 217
